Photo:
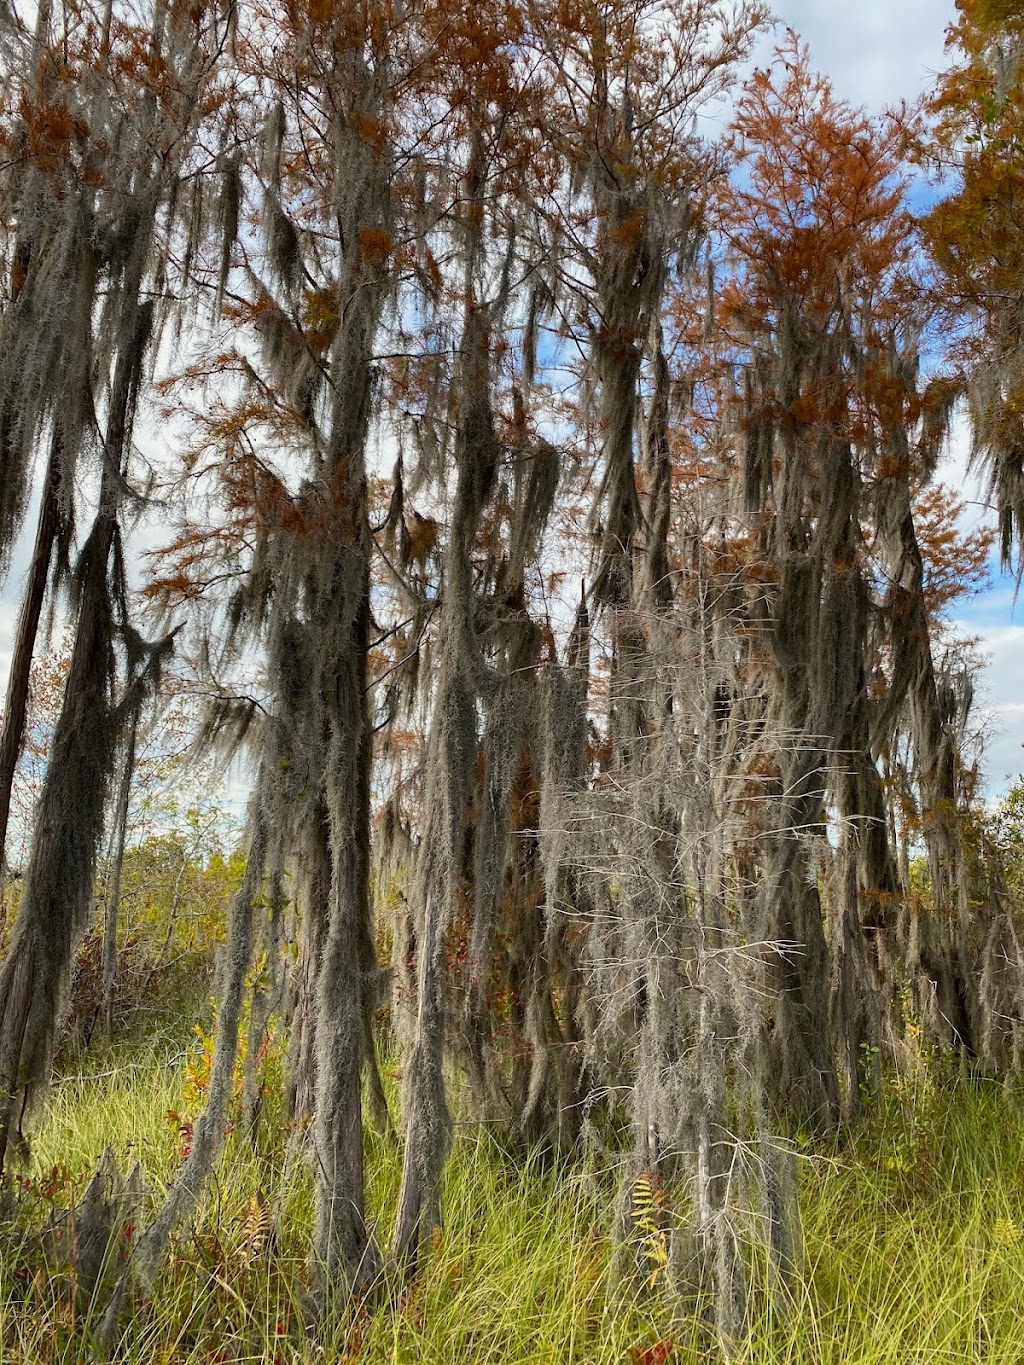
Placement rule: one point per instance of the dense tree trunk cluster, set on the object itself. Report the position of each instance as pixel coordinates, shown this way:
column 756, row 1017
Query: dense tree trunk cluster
column 462, row 314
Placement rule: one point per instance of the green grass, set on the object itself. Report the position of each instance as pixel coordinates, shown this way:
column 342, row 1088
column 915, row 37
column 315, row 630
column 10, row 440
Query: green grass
column 914, row 1248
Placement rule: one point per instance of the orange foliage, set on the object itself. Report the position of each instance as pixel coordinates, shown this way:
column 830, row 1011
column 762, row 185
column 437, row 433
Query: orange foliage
column 320, row 316
column 376, row 244
column 956, row 563
column 975, row 232
column 817, row 217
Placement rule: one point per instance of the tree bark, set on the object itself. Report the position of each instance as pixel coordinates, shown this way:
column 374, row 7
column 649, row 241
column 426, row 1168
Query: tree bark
column 112, row 907
column 12, row 736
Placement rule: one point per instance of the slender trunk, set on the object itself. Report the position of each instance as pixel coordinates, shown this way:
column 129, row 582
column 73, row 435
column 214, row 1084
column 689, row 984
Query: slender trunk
column 16, row 705
column 112, row 908
column 428, row 1125
column 450, row 768
column 18, row 982
column 347, row 1258
column 313, row 908
column 803, row 1074
column 266, row 997
column 209, row 1130
column 340, row 613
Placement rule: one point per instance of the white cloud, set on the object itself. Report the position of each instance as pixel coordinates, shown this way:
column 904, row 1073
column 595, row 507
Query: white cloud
column 993, row 619
column 1002, row 697
column 876, row 52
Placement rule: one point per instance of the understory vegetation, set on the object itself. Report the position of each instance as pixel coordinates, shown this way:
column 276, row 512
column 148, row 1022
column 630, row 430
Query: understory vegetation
column 913, row 1230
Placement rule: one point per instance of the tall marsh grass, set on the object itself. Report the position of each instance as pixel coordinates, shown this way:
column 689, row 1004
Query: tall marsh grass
column 913, row 1231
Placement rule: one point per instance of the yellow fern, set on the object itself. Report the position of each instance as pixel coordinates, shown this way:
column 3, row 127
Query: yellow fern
column 256, row 1228
column 649, row 1202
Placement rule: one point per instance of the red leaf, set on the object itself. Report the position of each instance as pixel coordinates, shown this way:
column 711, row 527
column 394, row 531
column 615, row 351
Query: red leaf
column 657, row 1354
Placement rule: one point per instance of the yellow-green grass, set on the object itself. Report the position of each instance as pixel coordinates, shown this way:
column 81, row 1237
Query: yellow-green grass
column 913, row 1247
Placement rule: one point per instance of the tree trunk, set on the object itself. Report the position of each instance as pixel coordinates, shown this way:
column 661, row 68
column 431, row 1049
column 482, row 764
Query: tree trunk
column 313, row 911
column 16, row 705
column 112, row 908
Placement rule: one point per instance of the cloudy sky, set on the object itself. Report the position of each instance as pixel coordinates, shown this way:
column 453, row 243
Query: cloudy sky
column 877, row 52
